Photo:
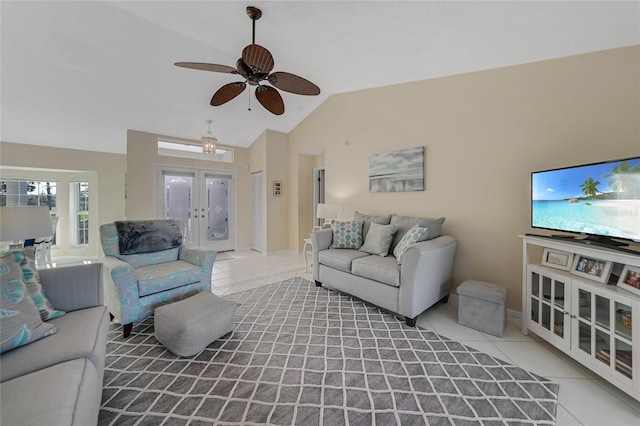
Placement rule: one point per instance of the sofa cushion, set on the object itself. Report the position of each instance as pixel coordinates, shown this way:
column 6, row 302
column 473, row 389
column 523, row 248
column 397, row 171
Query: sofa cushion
column 379, row 239
column 63, row 394
column 367, row 220
column 81, row 333
column 165, row 276
column 405, row 223
column 377, row 268
column 347, row 234
column 339, row 258
column 20, row 321
column 411, row 237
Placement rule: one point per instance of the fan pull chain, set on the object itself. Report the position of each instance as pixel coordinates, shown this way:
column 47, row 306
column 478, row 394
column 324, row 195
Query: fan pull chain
column 249, row 92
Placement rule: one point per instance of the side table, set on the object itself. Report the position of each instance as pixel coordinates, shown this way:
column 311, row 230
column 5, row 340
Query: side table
column 305, row 252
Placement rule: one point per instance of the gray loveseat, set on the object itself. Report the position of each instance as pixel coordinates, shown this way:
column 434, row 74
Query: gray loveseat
column 57, row 380
column 408, row 289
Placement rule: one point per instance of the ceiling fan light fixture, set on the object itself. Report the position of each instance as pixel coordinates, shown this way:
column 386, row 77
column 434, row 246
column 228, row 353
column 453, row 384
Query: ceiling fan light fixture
column 209, row 142
column 255, row 66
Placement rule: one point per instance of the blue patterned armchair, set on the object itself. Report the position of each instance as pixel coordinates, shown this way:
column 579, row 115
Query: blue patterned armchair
column 146, row 265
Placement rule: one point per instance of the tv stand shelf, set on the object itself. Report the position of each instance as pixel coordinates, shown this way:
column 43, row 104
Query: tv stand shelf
column 596, row 324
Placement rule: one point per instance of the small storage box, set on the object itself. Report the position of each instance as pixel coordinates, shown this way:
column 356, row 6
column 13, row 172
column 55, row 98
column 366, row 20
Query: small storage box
column 481, row 306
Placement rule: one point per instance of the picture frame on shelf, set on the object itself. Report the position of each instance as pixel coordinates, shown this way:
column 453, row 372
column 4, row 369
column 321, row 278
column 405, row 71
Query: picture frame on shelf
column 591, row 268
column 557, row 259
column 630, row 279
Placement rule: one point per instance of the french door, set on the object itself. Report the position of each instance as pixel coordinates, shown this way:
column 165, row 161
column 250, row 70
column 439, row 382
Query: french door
column 204, row 200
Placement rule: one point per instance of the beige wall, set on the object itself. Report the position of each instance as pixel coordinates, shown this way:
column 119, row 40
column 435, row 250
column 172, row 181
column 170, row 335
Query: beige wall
column 277, row 207
column 105, row 172
column 484, row 133
column 142, row 164
column 269, row 154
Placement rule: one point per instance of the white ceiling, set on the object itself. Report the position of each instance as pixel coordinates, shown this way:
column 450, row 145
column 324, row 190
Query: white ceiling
column 79, row 74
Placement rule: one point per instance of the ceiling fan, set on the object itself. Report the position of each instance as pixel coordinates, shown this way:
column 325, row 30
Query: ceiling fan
column 255, row 66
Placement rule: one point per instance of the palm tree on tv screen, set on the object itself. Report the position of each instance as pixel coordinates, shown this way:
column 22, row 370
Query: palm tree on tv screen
column 622, row 179
column 590, row 187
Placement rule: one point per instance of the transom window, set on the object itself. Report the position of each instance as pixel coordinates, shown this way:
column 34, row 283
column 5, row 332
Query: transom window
column 183, row 150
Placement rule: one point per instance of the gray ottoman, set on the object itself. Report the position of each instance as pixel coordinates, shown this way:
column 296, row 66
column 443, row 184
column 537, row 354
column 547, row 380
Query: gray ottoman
column 188, row 326
column 481, row 306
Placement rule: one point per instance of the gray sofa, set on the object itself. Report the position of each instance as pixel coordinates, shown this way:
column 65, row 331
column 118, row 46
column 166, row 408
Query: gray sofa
column 57, row 380
column 423, row 278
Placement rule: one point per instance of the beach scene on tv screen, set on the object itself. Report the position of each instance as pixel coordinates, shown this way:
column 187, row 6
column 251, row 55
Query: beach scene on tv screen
column 600, row 199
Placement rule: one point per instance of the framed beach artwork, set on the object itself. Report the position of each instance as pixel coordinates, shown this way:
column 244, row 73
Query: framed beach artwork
column 557, row 259
column 630, row 279
column 397, row 171
column 592, row 268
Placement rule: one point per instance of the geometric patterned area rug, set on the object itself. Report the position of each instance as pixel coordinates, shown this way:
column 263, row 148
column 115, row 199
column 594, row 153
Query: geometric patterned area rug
column 306, row 355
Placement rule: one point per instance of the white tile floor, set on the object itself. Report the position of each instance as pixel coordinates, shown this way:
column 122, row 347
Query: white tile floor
column 584, row 398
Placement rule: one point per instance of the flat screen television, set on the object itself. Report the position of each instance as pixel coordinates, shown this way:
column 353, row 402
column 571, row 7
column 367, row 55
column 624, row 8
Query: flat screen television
column 599, row 200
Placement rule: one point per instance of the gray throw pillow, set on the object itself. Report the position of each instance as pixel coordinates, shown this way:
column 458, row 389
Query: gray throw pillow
column 368, row 219
column 379, row 239
column 405, row 223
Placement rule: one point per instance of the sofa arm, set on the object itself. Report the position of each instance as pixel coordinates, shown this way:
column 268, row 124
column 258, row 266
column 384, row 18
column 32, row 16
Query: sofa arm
column 426, row 274
column 320, row 240
column 198, row 256
column 72, row 288
column 120, row 285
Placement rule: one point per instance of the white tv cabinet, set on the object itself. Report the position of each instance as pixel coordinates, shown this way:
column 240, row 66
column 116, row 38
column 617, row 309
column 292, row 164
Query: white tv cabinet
column 596, row 324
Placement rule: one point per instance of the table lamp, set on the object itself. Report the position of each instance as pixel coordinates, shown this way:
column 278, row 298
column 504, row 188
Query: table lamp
column 24, row 223
column 326, row 211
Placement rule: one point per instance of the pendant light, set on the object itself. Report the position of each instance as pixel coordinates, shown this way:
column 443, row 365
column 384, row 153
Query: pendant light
column 209, row 141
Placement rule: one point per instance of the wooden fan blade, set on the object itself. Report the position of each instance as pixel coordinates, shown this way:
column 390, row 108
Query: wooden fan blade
column 258, row 58
column 243, row 68
column 270, row 99
column 227, row 92
column 293, row 83
column 206, row 67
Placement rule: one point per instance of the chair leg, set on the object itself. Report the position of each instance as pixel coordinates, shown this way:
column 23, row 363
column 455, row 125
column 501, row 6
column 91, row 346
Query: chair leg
column 411, row 322
column 126, row 330
column 318, row 284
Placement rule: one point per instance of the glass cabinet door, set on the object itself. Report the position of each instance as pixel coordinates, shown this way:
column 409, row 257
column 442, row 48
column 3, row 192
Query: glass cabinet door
column 604, row 331
column 549, row 312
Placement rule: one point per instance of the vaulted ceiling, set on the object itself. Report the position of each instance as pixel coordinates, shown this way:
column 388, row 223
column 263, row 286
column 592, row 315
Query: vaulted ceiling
column 78, row 74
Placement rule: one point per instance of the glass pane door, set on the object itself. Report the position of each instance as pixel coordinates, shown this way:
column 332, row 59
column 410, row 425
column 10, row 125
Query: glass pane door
column 217, row 211
column 178, row 201
column 204, row 201
column 622, row 324
column 549, row 308
column 605, row 335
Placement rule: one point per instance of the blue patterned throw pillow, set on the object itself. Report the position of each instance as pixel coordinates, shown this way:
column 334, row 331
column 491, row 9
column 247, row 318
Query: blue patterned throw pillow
column 347, row 234
column 410, row 237
column 20, row 321
column 26, row 259
column 378, row 239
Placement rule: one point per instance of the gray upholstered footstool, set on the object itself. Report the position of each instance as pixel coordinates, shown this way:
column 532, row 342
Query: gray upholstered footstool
column 481, row 306
column 188, row 326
